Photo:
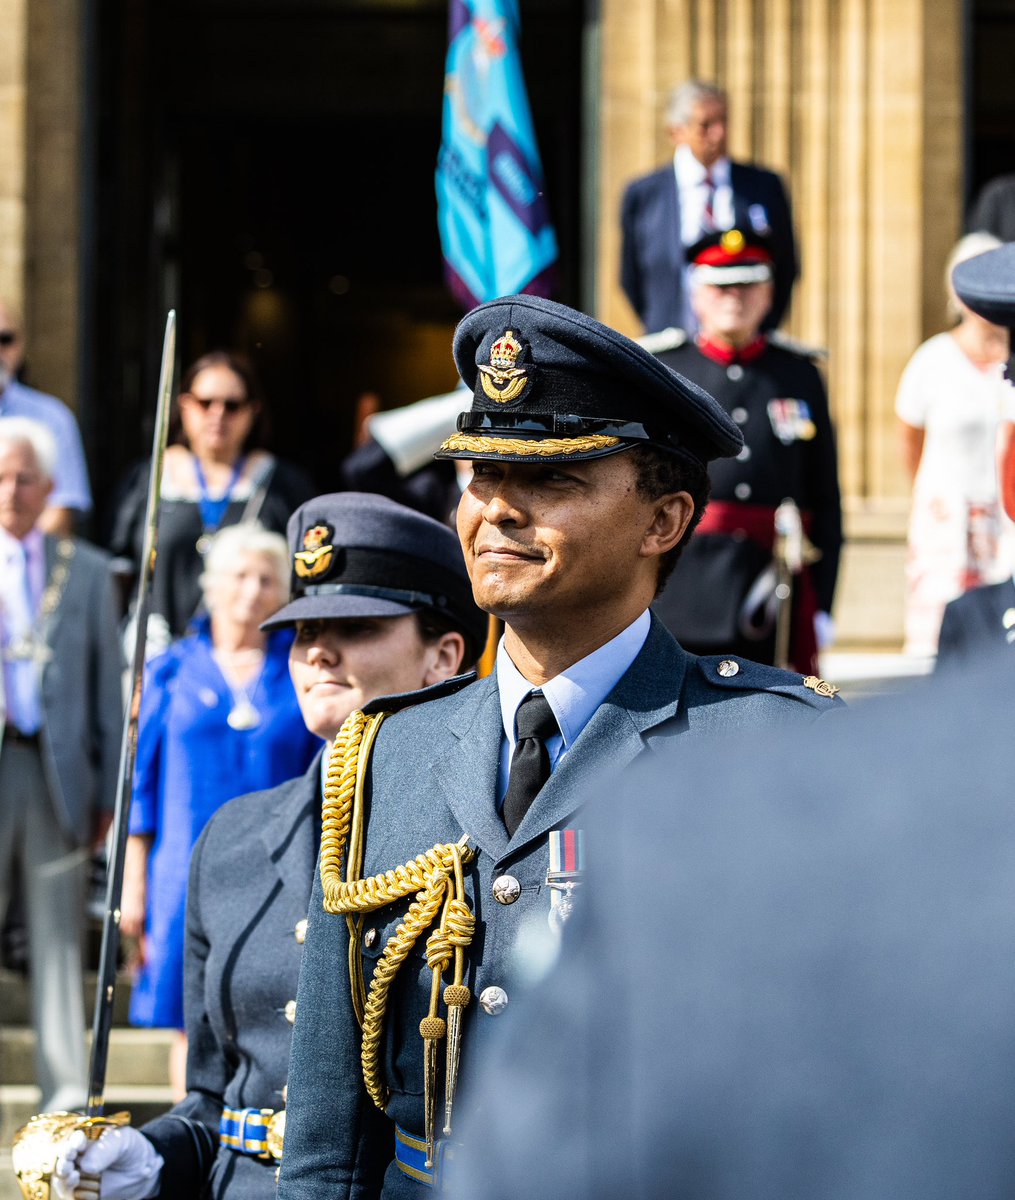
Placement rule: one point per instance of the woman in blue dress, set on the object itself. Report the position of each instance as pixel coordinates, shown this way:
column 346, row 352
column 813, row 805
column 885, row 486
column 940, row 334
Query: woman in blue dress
column 219, row 719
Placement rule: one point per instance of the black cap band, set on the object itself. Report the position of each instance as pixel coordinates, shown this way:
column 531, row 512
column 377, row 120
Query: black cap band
column 422, row 599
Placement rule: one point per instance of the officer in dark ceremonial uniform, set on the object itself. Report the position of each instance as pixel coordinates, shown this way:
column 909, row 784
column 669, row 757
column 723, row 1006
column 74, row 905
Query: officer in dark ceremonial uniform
column 452, row 852
column 724, row 595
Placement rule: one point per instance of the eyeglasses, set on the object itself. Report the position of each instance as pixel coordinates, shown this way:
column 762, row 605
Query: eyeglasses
column 7, row 337
column 230, row 404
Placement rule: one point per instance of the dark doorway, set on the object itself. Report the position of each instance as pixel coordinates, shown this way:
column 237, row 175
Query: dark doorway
column 990, row 96
column 267, row 167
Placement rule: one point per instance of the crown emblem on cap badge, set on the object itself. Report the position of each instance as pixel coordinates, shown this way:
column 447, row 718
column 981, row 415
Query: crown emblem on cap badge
column 503, row 380
column 733, row 241
column 316, row 555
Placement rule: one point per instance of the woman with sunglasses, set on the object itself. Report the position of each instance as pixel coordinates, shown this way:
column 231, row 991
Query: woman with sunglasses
column 217, row 472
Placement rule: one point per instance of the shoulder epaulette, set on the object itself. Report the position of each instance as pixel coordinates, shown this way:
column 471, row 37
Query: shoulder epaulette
column 795, row 346
column 741, row 674
column 392, row 704
column 665, row 339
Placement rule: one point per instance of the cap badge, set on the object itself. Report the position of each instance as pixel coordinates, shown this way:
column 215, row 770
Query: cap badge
column 504, row 381
column 315, row 557
column 732, row 241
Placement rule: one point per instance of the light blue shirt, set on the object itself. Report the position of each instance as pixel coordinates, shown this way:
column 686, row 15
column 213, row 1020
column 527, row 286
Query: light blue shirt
column 70, row 482
column 573, row 695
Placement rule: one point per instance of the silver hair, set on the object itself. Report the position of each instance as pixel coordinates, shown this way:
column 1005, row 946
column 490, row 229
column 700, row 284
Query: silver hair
column 26, row 432
column 681, row 103
column 246, row 538
column 966, row 247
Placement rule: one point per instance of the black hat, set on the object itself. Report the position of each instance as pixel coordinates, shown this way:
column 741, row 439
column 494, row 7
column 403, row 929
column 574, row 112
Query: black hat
column 986, row 283
column 359, row 555
column 731, row 256
column 552, row 385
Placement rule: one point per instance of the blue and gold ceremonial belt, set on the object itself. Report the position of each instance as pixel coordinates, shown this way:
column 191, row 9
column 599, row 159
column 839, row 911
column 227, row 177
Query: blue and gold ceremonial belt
column 410, row 1154
column 245, row 1130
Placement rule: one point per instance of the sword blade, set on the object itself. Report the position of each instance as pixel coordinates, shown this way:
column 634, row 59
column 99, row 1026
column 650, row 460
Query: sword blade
column 103, row 1020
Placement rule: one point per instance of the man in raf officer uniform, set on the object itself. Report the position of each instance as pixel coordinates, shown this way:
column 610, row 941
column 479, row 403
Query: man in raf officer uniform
column 451, row 837
column 729, row 592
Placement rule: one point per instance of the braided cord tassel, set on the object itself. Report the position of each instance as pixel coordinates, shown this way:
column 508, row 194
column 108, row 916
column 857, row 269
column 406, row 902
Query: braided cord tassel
column 437, row 878
column 460, row 924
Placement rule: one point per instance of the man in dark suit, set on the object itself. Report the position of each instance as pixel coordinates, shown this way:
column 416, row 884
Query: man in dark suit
column 809, row 991
column 699, row 192
column 978, row 624
column 454, row 841
column 60, row 719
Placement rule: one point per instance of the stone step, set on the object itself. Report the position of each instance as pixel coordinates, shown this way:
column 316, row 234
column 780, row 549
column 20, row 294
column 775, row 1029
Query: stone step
column 135, row 1056
column 14, row 999
column 20, row 1102
column 9, row 1189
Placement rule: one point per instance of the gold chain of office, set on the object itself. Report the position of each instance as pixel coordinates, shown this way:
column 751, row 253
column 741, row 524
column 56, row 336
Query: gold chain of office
column 437, row 879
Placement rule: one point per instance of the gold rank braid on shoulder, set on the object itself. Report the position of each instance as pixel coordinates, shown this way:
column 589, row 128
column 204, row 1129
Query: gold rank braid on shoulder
column 475, row 444
column 437, row 878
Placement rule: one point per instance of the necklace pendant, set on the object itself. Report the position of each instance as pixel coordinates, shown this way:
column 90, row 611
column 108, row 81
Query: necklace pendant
column 203, row 544
column 243, row 716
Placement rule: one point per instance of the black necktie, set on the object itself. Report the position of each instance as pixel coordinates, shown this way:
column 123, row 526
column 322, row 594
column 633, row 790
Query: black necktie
column 530, row 763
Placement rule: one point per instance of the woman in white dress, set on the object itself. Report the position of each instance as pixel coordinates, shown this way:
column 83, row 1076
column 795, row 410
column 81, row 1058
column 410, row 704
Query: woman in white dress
column 949, row 403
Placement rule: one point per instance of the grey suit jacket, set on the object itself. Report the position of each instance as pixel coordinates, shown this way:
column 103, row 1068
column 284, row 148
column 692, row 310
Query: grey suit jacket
column 80, row 679
column 249, row 886
column 973, row 626
column 433, row 778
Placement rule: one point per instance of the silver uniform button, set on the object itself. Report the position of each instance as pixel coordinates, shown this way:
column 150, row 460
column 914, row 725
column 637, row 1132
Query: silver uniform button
column 739, row 415
column 734, row 371
column 728, row 668
column 290, row 1011
column 369, row 938
column 301, row 931
column 744, row 454
column 742, row 491
column 506, row 889
column 493, row 1000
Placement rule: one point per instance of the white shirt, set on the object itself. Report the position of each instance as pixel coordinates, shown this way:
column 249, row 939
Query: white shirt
column 693, row 193
column 574, row 695
column 21, row 680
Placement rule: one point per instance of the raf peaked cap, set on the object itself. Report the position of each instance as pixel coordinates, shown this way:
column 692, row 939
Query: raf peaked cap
column 359, row 555
column 553, row 385
column 732, row 256
column 987, row 284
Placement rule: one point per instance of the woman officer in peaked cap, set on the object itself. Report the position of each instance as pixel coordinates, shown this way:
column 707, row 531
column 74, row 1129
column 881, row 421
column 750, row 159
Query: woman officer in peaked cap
column 381, row 603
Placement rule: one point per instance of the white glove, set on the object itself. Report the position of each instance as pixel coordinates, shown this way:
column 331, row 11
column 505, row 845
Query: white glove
column 129, row 1166
column 824, row 630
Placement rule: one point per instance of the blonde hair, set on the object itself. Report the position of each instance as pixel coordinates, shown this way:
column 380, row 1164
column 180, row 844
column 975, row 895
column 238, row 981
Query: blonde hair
column 246, row 538
column 965, row 248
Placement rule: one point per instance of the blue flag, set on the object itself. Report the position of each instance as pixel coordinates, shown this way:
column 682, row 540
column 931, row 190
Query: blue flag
column 494, row 222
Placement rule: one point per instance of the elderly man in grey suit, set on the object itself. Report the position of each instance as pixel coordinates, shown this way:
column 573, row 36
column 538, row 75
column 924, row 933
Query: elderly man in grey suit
column 60, row 717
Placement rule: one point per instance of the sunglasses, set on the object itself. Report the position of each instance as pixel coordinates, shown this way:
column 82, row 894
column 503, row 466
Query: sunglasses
column 230, row 405
column 7, row 337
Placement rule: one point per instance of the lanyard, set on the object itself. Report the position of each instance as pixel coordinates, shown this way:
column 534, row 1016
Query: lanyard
column 213, row 511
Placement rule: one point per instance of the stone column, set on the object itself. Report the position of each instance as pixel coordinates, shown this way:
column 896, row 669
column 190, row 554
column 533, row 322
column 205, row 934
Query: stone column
column 857, row 103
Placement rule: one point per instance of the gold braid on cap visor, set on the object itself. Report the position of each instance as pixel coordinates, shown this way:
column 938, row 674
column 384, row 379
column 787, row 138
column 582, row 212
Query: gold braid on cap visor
column 437, row 880
column 469, row 443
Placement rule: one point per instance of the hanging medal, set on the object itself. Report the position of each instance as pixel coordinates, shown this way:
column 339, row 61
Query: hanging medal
column 566, row 873
column 213, row 511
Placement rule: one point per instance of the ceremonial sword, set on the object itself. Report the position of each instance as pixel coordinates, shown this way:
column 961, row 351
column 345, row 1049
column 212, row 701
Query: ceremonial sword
column 105, row 987
column 35, row 1146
